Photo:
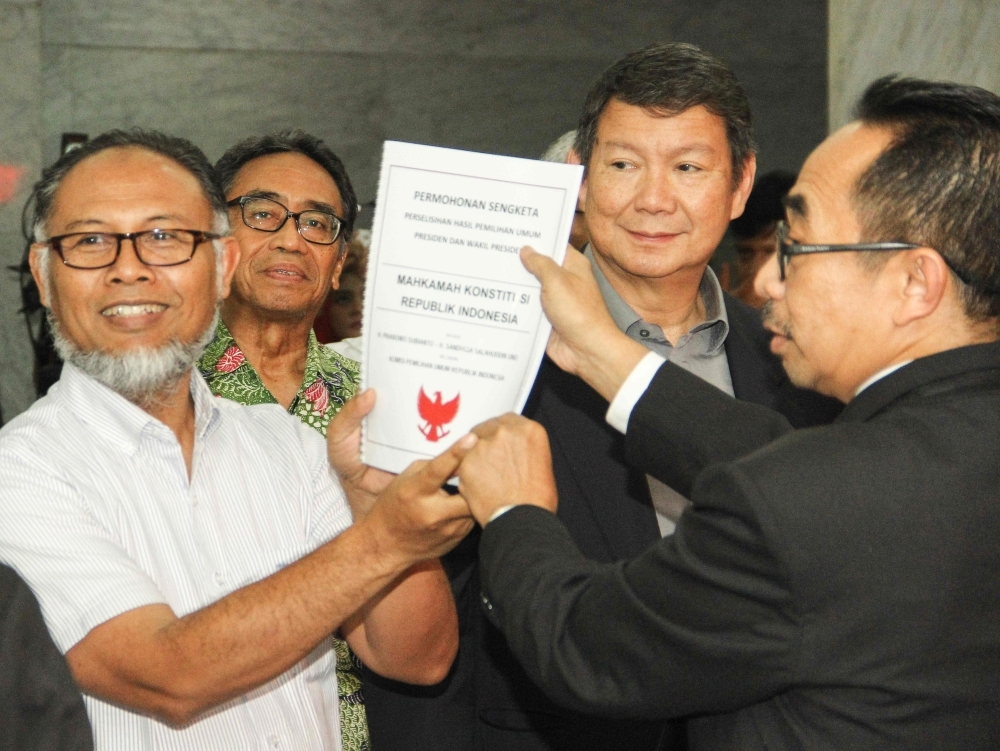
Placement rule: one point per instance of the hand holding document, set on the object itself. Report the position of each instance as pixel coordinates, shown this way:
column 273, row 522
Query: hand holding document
column 453, row 327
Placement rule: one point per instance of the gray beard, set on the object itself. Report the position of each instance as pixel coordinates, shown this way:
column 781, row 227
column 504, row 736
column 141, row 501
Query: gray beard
column 143, row 376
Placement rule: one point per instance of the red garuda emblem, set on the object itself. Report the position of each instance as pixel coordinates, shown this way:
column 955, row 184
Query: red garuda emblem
column 435, row 414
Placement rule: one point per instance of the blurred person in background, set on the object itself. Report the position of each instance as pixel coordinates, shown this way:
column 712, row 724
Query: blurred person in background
column 561, row 151
column 756, row 232
column 338, row 323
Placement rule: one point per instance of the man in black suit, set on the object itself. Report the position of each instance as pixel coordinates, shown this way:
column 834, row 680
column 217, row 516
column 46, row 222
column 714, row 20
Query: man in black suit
column 829, row 588
column 665, row 137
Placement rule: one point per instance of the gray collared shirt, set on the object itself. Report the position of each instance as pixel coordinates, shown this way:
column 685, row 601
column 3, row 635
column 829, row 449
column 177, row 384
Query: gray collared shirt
column 700, row 351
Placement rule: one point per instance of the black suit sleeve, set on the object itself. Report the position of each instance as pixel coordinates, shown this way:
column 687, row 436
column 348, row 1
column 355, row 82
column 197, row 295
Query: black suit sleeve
column 41, row 708
column 702, row 622
column 682, row 425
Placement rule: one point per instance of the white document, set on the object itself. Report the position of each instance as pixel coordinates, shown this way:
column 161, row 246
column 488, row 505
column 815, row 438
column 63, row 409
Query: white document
column 453, row 327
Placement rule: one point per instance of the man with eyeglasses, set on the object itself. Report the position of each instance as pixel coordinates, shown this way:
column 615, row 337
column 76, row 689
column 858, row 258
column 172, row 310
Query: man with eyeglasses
column 292, row 209
column 193, row 557
column 829, row 588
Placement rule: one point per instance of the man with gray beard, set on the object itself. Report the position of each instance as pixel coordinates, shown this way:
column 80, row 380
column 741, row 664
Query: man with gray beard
column 194, row 557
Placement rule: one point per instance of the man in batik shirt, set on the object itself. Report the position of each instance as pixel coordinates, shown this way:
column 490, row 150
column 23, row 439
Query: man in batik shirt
column 330, row 379
column 292, row 209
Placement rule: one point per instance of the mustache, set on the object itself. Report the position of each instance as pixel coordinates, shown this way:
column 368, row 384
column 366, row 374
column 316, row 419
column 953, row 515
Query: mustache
column 772, row 322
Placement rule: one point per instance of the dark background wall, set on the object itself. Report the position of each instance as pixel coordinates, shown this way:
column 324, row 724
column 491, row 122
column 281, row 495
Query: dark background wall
column 503, row 77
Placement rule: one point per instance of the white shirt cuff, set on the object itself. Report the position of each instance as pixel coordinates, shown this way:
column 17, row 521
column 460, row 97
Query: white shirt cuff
column 500, row 512
column 632, row 390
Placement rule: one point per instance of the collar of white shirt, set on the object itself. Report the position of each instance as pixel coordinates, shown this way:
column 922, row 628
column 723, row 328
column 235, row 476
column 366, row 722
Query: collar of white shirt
column 120, row 422
column 882, row 374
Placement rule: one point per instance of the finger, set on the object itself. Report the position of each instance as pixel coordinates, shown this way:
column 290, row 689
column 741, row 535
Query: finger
column 539, row 265
column 441, row 468
column 414, row 467
column 512, row 419
column 487, row 428
column 348, row 419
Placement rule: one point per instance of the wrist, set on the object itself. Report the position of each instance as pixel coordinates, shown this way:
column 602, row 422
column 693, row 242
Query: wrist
column 498, row 512
column 388, row 553
column 606, row 366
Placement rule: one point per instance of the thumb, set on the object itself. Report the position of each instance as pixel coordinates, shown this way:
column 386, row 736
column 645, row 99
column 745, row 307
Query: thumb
column 349, row 418
column 537, row 264
column 441, row 468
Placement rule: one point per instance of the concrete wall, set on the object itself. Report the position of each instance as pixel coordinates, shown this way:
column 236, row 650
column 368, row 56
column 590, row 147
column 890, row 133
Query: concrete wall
column 498, row 77
column 953, row 40
column 21, row 147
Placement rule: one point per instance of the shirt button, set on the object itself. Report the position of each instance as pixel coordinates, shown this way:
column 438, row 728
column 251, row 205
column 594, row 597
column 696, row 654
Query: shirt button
column 274, row 741
column 219, row 579
column 486, row 601
column 644, row 332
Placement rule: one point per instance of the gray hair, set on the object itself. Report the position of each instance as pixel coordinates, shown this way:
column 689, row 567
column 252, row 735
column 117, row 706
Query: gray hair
column 180, row 150
column 42, row 201
column 559, row 149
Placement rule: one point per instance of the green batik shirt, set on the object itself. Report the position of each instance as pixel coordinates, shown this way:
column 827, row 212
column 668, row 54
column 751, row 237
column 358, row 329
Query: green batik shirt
column 329, row 381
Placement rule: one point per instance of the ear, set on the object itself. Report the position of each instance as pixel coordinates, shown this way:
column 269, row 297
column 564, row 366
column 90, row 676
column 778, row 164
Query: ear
column 925, row 285
column 742, row 192
column 230, row 260
column 35, row 263
column 339, row 266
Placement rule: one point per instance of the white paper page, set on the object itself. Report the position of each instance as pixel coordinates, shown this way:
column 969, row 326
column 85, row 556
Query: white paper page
column 453, row 328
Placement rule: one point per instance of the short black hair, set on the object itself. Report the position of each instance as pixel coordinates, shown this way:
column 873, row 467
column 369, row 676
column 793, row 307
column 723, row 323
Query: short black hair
column 764, row 208
column 180, row 150
column 297, row 142
column 938, row 182
column 667, row 79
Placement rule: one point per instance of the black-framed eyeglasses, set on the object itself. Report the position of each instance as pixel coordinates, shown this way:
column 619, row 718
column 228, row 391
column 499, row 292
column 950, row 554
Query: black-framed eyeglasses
column 267, row 215
column 153, row 247
column 787, row 248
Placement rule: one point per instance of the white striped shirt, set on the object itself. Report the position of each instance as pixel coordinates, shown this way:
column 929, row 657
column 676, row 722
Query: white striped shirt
column 99, row 517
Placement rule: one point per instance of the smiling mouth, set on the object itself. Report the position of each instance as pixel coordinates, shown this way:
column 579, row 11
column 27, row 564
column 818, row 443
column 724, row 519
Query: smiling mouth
column 141, row 309
column 653, row 235
column 285, row 273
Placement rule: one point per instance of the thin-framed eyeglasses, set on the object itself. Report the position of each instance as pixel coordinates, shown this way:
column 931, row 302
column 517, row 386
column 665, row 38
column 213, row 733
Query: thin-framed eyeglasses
column 153, row 247
column 787, row 248
column 267, row 215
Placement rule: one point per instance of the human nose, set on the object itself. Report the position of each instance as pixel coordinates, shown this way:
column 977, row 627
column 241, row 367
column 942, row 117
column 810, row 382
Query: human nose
column 768, row 283
column 655, row 192
column 287, row 236
column 128, row 268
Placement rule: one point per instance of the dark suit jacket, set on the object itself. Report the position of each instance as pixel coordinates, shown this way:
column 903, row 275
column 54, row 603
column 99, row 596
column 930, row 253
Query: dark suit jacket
column 40, row 706
column 488, row 702
column 833, row 588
